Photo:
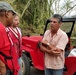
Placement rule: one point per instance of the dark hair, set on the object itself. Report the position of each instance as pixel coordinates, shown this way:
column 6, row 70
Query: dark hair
column 2, row 10
column 58, row 17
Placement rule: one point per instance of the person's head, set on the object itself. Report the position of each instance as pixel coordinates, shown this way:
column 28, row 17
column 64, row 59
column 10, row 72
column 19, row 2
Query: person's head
column 15, row 21
column 55, row 22
column 6, row 13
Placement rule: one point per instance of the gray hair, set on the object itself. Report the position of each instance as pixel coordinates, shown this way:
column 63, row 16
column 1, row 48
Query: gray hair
column 59, row 17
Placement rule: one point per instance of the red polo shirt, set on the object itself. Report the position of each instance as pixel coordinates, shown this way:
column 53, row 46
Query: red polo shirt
column 8, row 50
column 15, row 34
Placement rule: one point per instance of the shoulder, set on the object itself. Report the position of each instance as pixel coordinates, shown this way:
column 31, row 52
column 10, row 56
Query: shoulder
column 62, row 32
column 2, row 28
column 47, row 31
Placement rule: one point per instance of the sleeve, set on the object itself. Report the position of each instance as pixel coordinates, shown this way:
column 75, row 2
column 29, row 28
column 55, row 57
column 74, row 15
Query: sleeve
column 62, row 42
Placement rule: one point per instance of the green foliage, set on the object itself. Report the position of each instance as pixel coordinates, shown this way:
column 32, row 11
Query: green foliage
column 33, row 13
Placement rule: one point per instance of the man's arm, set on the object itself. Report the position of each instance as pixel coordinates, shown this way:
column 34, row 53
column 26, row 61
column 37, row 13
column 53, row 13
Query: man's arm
column 50, row 49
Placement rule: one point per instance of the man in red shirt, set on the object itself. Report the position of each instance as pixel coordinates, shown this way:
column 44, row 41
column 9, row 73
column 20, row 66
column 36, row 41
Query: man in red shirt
column 7, row 61
column 16, row 36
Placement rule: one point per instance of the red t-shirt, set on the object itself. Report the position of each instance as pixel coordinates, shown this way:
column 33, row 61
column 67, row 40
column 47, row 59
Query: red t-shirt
column 7, row 49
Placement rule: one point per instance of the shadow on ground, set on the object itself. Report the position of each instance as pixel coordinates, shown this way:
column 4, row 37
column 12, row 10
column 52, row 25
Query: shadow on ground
column 36, row 72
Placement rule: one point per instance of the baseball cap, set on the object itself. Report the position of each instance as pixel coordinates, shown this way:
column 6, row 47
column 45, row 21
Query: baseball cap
column 6, row 6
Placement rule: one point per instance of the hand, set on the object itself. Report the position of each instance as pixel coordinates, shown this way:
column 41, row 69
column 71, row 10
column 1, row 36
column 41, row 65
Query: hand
column 45, row 43
column 43, row 47
column 56, row 51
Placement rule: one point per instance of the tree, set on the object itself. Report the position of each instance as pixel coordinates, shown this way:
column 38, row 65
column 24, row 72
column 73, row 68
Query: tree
column 33, row 13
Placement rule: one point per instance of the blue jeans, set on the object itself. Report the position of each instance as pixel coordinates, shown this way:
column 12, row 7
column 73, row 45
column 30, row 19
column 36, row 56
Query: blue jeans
column 53, row 71
column 20, row 63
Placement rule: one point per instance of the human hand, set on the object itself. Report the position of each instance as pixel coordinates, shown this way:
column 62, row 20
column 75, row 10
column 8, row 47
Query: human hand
column 56, row 51
column 45, row 43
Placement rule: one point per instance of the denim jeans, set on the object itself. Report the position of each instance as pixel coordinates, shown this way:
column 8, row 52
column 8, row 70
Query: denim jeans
column 53, row 71
column 20, row 63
